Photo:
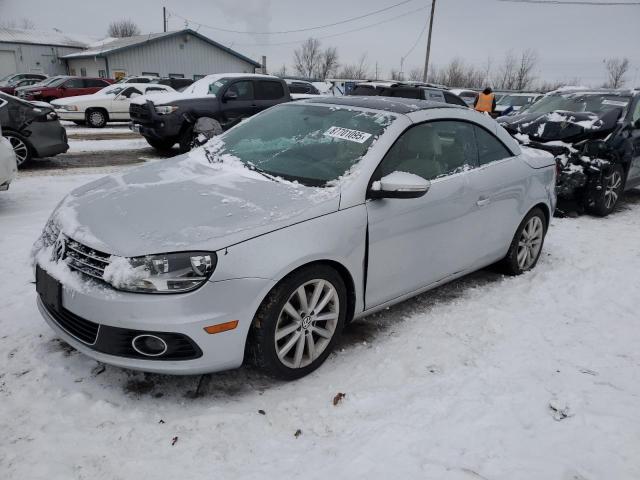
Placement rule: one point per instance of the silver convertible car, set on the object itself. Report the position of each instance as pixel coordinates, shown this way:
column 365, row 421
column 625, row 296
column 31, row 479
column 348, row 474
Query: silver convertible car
column 262, row 244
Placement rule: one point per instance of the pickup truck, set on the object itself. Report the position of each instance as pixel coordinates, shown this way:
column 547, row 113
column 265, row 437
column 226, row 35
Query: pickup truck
column 221, row 99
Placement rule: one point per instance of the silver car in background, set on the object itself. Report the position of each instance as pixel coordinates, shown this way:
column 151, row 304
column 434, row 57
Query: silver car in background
column 8, row 162
column 272, row 236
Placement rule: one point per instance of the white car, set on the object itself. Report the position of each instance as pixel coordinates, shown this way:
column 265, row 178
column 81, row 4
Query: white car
column 111, row 104
column 8, row 163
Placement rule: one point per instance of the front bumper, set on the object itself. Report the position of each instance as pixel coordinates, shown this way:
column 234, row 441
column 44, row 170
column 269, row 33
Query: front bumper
column 47, row 138
column 184, row 314
column 72, row 116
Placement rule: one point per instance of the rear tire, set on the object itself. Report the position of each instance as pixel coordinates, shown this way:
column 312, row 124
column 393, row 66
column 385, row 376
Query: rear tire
column 97, row 118
column 21, row 147
column 608, row 197
column 526, row 246
column 299, row 323
column 161, row 145
column 186, row 140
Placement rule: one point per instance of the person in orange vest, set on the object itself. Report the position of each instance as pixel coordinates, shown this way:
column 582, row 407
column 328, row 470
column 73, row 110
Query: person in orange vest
column 486, row 101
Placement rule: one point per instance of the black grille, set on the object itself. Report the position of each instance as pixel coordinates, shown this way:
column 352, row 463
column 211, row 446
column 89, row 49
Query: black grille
column 77, row 327
column 139, row 112
column 118, row 341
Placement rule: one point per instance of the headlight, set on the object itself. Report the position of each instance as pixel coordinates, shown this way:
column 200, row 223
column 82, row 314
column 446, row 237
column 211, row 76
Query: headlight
column 52, row 116
column 37, row 92
column 164, row 273
column 166, row 109
column 71, row 108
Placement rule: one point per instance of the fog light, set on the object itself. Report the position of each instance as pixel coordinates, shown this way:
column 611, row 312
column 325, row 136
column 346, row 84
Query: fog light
column 149, row 345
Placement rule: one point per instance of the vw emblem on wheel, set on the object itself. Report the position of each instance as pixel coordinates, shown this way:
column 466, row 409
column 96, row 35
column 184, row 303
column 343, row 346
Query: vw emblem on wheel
column 59, row 250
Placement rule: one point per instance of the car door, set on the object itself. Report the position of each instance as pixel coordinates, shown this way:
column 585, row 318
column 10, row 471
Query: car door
column 498, row 184
column 414, row 243
column 120, row 104
column 237, row 102
column 72, row 87
column 268, row 94
column 633, row 178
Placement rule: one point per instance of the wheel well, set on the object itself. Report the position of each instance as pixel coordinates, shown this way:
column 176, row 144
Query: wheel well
column 545, row 210
column 92, row 109
column 346, row 277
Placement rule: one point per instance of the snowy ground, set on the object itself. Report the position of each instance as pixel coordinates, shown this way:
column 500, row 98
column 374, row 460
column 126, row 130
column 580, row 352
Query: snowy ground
column 535, row 377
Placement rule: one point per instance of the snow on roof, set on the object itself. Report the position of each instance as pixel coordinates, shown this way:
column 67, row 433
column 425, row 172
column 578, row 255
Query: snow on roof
column 36, row 37
column 111, row 45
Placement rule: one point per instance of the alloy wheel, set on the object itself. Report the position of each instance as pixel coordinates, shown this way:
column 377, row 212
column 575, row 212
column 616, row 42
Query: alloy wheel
column 613, row 183
column 530, row 243
column 19, row 148
column 307, row 323
column 97, row 119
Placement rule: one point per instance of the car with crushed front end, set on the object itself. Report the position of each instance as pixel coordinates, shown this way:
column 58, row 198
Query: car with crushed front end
column 32, row 128
column 263, row 243
column 595, row 137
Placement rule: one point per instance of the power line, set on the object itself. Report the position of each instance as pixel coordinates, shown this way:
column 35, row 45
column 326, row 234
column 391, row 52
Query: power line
column 575, row 2
column 294, row 42
column 417, row 40
column 317, row 27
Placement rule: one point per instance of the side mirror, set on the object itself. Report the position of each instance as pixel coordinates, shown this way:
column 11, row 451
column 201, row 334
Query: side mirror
column 399, row 185
column 230, row 95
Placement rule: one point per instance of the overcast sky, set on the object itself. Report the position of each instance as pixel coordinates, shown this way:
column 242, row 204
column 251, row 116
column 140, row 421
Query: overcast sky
column 571, row 41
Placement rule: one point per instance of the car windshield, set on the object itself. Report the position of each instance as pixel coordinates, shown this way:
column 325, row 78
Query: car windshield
column 309, row 144
column 515, row 100
column 216, row 86
column 578, row 102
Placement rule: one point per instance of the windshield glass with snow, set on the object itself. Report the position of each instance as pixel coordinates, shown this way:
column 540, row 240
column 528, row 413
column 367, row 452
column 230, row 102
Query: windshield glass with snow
column 515, row 100
column 112, row 90
column 309, row 144
column 578, row 102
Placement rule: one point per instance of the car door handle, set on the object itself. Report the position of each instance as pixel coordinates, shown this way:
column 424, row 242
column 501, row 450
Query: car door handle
column 482, row 201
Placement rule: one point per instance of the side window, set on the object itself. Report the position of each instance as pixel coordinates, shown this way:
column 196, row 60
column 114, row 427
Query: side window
column 432, row 150
column 266, row 90
column 490, row 148
column 404, row 93
column 154, row 90
column 243, row 89
column 451, row 98
column 636, row 112
column 131, row 92
column 74, row 83
column 94, row 83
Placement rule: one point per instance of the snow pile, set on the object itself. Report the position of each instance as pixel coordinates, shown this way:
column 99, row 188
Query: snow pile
column 121, row 273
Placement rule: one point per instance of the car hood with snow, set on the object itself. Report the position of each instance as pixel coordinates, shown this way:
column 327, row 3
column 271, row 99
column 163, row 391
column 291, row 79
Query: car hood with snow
column 561, row 125
column 189, row 204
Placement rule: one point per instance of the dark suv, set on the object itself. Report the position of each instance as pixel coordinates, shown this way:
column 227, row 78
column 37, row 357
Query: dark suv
column 65, row 87
column 406, row 90
column 33, row 130
column 595, row 137
column 222, row 99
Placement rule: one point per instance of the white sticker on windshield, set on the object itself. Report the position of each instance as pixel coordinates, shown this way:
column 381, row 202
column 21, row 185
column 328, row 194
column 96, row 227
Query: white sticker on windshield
column 348, row 134
column 617, row 103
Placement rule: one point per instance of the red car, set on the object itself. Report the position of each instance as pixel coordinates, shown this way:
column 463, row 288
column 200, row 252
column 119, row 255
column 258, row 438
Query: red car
column 65, row 87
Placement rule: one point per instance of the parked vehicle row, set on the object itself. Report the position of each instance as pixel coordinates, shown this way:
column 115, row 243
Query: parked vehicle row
column 406, row 90
column 9, row 83
column 271, row 242
column 111, row 104
column 595, row 137
column 64, row 87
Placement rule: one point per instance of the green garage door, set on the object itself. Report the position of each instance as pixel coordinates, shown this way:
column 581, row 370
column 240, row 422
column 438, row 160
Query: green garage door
column 7, row 63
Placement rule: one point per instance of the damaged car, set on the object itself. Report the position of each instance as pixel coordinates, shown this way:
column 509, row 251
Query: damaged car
column 595, row 138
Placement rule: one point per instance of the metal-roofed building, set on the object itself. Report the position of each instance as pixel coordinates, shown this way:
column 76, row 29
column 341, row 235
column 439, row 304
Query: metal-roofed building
column 32, row 51
column 179, row 54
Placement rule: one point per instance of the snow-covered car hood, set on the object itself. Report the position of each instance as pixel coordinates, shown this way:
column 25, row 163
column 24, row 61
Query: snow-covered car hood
column 81, row 99
column 166, row 98
column 186, row 203
column 561, row 125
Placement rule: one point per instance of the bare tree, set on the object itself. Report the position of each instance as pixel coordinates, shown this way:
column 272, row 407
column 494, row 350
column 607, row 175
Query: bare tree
column 356, row 71
column 505, row 76
column 415, row 74
column 123, row 28
column 328, row 64
column 307, row 58
column 616, row 70
column 524, row 74
column 396, row 75
column 282, row 72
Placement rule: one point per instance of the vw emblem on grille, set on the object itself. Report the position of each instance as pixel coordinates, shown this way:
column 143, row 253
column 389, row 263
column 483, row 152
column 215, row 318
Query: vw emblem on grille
column 59, row 249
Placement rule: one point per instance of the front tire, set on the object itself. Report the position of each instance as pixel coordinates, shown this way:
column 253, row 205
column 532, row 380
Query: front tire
column 612, row 187
column 298, row 324
column 160, row 145
column 21, row 148
column 526, row 246
column 96, row 118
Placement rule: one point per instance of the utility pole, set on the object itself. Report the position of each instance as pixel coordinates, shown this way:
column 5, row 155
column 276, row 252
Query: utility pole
column 164, row 19
column 426, row 60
